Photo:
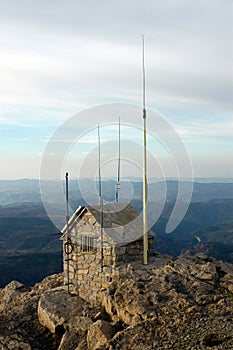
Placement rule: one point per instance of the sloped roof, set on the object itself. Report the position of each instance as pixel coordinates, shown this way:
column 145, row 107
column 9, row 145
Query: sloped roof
column 121, row 222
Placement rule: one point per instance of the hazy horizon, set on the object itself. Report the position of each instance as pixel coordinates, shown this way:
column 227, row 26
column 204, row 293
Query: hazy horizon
column 134, row 179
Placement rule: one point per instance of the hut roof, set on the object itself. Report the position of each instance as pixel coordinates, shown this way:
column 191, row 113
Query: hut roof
column 121, row 222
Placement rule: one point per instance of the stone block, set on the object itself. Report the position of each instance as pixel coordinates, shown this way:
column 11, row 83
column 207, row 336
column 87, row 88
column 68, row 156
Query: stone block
column 92, row 270
column 83, row 291
column 81, row 257
column 71, row 268
column 95, row 284
column 82, row 271
column 108, row 261
column 71, row 276
column 87, row 277
column 105, row 285
column 120, row 250
column 91, row 221
column 97, row 278
column 107, row 251
column 133, row 251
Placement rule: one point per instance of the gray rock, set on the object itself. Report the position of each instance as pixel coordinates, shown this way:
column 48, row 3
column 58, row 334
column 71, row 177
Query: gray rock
column 10, row 294
column 57, row 307
column 79, row 324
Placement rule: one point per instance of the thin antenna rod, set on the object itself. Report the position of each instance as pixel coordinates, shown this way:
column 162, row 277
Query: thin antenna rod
column 68, row 244
column 67, row 200
column 119, row 163
column 101, row 206
column 145, row 227
column 143, row 78
column 100, row 189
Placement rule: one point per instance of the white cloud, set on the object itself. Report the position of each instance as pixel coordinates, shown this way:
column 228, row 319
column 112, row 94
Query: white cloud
column 58, row 58
column 218, row 130
column 66, row 61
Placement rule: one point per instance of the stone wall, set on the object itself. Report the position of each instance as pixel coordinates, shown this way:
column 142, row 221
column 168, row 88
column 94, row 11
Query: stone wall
column 132, row 251
column 87, row 274
column 89, row 270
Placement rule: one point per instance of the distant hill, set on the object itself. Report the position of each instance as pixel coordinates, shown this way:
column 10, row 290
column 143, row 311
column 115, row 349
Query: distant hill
column 26, row 190
column 214, row 240
column 27, row 248
column 216, row 233
column 200, row 216
column 25, row 228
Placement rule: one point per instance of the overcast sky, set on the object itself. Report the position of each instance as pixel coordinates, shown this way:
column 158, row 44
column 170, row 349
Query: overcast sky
column 58, row 58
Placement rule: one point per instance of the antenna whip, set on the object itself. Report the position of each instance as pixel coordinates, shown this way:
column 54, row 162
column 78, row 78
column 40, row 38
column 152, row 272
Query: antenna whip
column 119, row 162
column 68, row 247
column 145, row 228
column 101, row 205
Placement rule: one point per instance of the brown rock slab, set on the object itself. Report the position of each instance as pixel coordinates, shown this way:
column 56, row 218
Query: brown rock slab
column 69, row 341
column 99, row 334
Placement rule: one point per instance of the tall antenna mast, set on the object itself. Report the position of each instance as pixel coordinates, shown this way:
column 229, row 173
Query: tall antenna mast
column 145, row 227
column 119, row 163
column 101, row 205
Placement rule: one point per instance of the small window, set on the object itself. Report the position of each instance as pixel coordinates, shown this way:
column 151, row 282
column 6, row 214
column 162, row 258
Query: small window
column 87, row 243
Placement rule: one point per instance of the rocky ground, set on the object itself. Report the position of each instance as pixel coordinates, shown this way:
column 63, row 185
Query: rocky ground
column 185, row 303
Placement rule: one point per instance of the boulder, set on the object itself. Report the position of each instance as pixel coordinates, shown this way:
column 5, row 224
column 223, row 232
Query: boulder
column 10, row 293
column 69, row 341
column 56, row 307
column 99, row 334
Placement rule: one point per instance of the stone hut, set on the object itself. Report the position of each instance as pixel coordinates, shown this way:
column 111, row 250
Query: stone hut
column 98, row 244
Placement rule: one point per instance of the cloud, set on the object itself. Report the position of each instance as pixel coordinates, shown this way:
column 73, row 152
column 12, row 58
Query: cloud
column 66, row 58
column 215, row 130
column 62, row 57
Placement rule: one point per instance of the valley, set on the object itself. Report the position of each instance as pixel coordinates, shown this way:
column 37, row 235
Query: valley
column 30, row 248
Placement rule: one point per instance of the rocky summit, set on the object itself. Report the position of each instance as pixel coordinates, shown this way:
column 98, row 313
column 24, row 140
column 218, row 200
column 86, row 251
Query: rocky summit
column 184, row 303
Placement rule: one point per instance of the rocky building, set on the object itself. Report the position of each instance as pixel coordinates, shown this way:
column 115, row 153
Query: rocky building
column 98, row 244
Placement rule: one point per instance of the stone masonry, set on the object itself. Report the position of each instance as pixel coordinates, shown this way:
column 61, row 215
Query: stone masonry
column 91, row 263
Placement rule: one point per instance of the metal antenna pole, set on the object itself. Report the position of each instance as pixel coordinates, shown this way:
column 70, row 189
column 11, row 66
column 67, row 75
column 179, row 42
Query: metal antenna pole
column 100, row 189
column 119, row 162
column 68, row 243
column 67, row 201
column 145, row 227
column 101, row 204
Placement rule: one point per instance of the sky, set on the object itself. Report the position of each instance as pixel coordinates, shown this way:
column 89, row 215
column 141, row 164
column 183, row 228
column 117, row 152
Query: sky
column 60, row 59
